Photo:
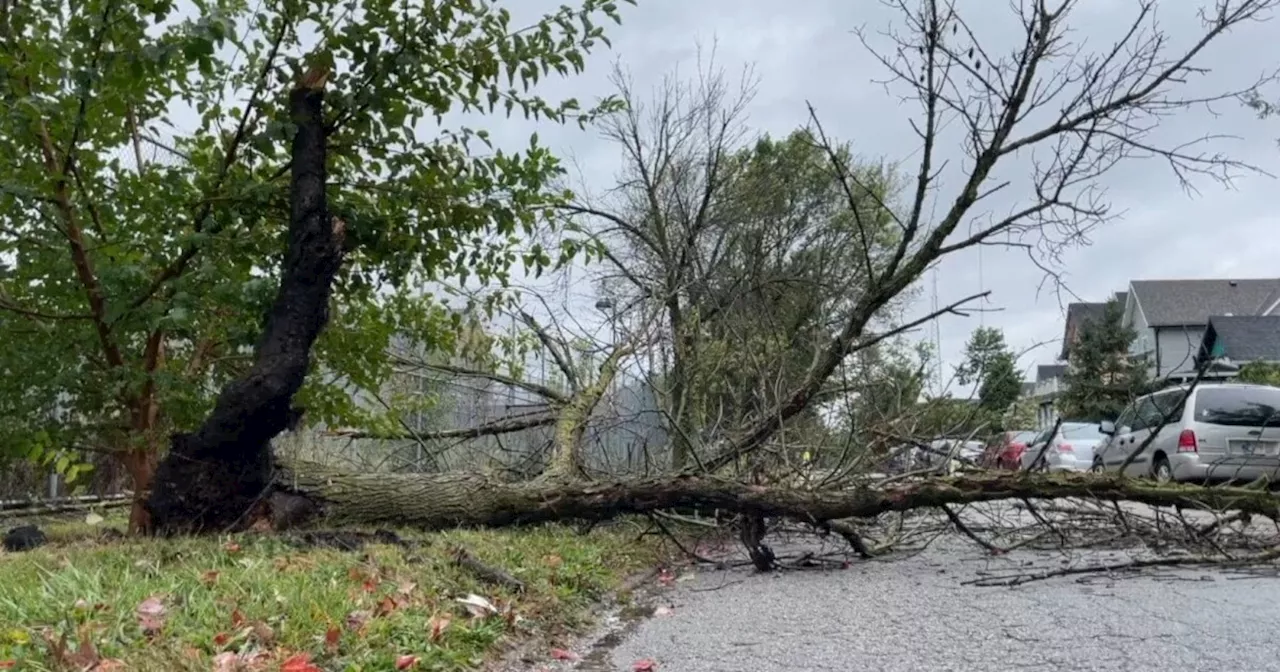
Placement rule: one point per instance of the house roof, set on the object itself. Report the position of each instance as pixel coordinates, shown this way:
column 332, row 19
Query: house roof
column 1085, row 311
column 1048, row 371
column 1167, row 303
column 1077, row 315
column 1242, row 338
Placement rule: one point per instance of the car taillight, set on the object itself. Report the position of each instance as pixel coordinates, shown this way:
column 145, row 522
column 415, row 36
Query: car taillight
column 1065, row 448
column 1187, row 442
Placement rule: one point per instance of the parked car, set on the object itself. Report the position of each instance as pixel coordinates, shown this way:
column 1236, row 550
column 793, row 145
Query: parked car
column 901, row 459
column 1071, row 448
column 1005, row 449
column 1214, row 432
column 961, row 452
column 934, row 455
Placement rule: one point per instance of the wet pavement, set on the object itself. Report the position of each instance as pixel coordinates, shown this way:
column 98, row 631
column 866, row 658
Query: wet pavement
column 917, row 614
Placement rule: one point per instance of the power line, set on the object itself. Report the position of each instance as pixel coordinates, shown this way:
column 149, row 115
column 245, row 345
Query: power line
column 982, row 287
column 937, row 333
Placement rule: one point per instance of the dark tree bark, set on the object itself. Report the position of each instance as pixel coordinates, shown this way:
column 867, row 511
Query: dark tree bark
column 213, row 477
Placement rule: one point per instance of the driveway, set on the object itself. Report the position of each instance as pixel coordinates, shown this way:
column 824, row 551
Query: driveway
column 917, row 615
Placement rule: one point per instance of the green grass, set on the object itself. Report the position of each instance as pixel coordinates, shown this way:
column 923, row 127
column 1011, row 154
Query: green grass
column 257, row 597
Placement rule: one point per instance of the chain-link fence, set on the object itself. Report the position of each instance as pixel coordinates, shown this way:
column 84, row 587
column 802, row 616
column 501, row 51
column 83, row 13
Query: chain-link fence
column 624, row 436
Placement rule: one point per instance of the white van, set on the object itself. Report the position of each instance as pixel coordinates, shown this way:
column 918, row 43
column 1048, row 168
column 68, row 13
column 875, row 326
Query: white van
column 1217, row 432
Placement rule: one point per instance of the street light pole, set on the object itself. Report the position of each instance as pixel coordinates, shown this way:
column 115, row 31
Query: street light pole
column 607, row 306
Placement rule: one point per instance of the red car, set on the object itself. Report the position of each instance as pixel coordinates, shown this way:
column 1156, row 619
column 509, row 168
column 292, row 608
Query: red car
column 1005, row 450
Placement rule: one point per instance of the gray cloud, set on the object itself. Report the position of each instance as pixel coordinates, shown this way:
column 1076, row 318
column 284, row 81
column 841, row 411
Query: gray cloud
column 807, row 51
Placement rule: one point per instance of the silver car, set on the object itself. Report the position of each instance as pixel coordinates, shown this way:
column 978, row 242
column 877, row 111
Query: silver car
column 1070, row 449
column 1209, row 432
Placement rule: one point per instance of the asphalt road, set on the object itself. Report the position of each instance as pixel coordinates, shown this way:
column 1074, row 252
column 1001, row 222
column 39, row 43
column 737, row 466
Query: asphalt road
column 916, row 615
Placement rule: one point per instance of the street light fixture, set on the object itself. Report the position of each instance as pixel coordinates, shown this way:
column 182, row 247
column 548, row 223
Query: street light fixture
column 607, row 307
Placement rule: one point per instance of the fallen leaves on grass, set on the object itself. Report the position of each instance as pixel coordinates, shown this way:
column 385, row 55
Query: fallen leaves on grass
column 226, row 661
column 83, row 658
column 385, row 606
column 211, row 604
column 83, row 607
column 257, row 632
column 357, row 619
column 299, row 663
column 367, row 583
column 437, row 625
column 151, row 614
column 263, row 633
column 249, row 661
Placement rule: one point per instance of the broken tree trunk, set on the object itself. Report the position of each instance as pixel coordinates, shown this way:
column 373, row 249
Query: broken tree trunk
column 433, row 501
column 575, row 414
column 214, row 476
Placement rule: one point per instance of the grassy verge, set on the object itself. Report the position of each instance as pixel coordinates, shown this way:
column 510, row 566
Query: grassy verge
column 247, row 602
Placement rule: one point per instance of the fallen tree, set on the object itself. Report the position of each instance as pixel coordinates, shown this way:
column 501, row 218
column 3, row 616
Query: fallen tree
column 223, row 476
column 444, row 500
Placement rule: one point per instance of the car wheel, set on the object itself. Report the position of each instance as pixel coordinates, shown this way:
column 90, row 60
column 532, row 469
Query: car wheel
column 1161, row 470
column 1097, row 467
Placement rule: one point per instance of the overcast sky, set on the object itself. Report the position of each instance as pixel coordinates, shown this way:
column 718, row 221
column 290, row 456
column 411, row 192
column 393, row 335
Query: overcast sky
column 806, row 51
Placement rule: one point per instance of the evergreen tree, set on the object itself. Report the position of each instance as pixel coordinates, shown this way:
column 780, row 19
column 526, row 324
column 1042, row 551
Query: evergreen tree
column 1102, row 378
column 1261, row 373
column 1001, row 385
column 991, row 365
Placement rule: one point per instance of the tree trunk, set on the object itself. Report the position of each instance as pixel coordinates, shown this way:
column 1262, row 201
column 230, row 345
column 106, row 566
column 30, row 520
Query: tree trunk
column 214, row 477
column 434, row 501
column 141, row 460
column 140, row 464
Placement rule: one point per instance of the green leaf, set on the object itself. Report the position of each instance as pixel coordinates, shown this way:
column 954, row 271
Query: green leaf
column 206, row 211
